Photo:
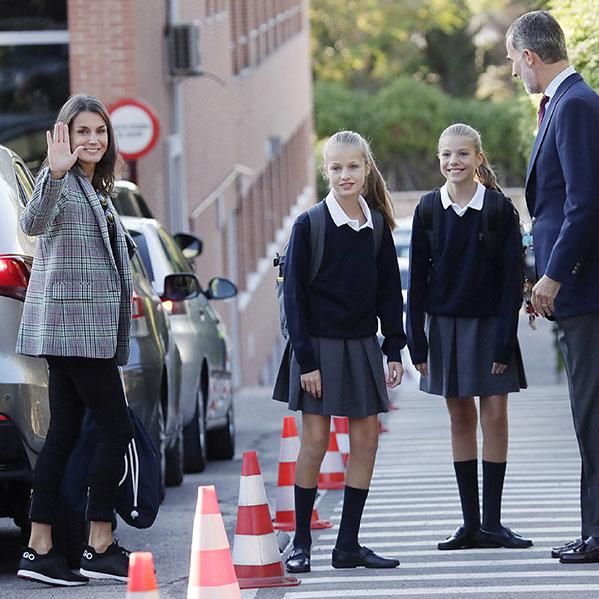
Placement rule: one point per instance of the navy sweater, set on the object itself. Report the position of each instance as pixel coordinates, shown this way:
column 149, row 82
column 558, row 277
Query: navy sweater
column 351, row 289
column 463, row 279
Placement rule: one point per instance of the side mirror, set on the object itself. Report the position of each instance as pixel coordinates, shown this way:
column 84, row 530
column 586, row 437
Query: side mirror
column 190, row 245
column 220, row 288
column 181, row 286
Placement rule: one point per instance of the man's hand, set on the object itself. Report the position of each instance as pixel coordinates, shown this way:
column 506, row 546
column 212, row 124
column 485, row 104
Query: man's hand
column 544, row 294
column 394, row 374
column 422, row 368
column 311, row 383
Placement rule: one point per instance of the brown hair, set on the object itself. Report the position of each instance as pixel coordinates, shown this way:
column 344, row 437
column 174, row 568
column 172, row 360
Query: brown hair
column 104, row 173
column 484, row 173
column 375, row 190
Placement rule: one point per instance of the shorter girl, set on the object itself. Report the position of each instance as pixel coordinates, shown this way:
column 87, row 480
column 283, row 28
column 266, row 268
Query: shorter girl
column 336, row 364
column 466, row 274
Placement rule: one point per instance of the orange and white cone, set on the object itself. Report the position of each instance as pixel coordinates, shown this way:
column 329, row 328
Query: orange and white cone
column 332, row 471
column 211, row 572
column 341, row 424
column 256, row 556
column 285, row 500
column 141, row 583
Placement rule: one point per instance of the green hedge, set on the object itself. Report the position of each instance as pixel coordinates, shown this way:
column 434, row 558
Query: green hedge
column 403, row 121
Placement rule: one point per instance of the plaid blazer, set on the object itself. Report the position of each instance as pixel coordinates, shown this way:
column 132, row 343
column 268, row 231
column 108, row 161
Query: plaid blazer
column 78, row 301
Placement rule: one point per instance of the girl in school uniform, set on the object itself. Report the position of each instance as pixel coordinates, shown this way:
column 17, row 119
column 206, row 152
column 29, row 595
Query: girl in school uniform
column 336, row 364
column 468, row 347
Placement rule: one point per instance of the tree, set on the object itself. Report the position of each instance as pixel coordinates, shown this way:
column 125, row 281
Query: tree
column 580, row 22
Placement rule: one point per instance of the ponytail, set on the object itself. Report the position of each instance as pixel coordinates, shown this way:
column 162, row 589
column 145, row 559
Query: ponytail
column 486, row 175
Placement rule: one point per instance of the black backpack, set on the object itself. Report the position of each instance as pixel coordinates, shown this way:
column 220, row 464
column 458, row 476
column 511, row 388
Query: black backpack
column 317, row 216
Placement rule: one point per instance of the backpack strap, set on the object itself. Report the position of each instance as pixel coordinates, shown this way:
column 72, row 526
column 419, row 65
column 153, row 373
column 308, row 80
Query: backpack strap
column 430, row 204
column 494, row 213
column 316, row 214
column 378, row 224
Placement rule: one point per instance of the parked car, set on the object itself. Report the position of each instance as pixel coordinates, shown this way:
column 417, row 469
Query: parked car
column 152, row 377
column 207, row 394
column 128, row 201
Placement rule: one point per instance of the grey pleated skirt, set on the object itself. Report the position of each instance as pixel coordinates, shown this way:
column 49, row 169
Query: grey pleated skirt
column 461, row 357
column 352, row 375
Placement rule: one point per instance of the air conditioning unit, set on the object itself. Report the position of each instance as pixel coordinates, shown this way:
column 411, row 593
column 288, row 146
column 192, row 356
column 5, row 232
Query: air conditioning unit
column 184, row 49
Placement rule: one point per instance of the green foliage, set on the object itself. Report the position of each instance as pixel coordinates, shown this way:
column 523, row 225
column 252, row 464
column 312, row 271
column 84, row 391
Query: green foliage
column 404, row 119
column 580, row 21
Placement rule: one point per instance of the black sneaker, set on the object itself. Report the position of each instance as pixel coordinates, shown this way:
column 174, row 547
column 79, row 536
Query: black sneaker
column 49, row 568
column 112, row 563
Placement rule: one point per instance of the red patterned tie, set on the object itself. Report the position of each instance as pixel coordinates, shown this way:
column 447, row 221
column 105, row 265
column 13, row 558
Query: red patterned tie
column 541, row 111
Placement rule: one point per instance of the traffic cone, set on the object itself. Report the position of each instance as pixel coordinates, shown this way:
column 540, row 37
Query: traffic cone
column 332, row 472
column 256, row 557
column 285, row 501
column 211, row 573
column 142, row 577
column 341, row 424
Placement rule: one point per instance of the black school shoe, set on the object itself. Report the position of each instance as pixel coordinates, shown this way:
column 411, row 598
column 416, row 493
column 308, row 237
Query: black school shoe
column 112, row 564
column 50, row 568
column 460, row 539
column 364, row 557
column 298, row 560
column 504, row 538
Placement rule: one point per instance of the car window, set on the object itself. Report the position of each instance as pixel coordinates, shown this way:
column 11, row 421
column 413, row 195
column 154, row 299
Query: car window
column 25, row 183
column 138, row 266
column 142, row 251
column 172, row 250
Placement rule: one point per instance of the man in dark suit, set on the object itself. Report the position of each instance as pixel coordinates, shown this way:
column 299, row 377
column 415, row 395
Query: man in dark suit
column 562, row 193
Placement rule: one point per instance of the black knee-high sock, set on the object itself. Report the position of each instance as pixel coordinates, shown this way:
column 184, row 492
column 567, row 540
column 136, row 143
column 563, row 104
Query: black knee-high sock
column 466, row 474
column 493, row 477
column 351, row 516
column 304, row 503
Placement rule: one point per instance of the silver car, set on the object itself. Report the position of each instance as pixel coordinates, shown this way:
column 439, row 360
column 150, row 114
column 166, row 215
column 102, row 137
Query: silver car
column 207, row 394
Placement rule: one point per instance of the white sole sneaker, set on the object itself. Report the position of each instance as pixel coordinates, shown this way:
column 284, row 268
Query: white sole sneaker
column 59, row 582
column 102, row 575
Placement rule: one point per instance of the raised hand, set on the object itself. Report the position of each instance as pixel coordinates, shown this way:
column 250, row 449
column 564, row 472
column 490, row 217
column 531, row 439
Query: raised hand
column 60, row 157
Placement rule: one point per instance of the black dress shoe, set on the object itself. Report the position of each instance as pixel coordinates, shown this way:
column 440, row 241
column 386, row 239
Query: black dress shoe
column 298, row 560
column 364, row 557
column 575, row 544
column 504, row 538
column 460, row 539
column 586, row 553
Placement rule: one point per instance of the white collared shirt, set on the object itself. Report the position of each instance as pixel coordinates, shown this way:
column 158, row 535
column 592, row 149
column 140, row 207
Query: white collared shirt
column 476, row 203
column 557, row 81
column 340, row 218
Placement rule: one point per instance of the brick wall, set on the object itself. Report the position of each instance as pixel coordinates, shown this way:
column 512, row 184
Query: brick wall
column 246, row 140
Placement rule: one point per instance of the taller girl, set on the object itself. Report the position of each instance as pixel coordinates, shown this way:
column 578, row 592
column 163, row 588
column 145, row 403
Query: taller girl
column 336, row 365
column 466, row 274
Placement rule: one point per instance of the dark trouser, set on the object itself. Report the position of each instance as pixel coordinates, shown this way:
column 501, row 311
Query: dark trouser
column 579, row 340
column 73, row 385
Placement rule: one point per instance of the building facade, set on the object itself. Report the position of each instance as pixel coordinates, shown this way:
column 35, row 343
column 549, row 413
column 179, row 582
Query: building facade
column 234, row 158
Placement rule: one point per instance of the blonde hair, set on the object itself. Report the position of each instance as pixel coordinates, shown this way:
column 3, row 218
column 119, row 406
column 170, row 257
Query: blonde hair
column 484, row 173
column 375, row 190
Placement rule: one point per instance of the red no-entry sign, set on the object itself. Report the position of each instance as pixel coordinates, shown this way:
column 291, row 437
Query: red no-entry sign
column 136, row 127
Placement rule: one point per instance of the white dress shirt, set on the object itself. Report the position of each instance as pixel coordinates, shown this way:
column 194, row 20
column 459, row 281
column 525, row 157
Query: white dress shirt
column 340, row 218
column 557, row 81
column 476, row 203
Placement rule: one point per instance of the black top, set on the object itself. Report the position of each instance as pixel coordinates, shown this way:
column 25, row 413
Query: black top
column 463, row 278
column 351, row 289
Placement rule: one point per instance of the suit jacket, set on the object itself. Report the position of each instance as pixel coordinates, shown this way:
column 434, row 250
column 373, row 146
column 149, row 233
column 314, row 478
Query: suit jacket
column 78, row 300
column 562, row 193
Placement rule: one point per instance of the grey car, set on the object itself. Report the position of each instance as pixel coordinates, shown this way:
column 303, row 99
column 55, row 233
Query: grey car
column 152, row 377
column 207, row 393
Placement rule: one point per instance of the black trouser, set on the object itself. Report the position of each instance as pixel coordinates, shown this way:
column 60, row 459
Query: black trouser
column 579, row 340
column 73, row 385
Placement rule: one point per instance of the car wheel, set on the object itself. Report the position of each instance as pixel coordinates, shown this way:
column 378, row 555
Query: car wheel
column 221, row 442
column 174, row 462
column 194, row 439
column 157, row 436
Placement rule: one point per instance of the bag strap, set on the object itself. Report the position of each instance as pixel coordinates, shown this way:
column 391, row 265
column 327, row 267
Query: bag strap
column 378, row 224
column 316, row 214
column 429, row 216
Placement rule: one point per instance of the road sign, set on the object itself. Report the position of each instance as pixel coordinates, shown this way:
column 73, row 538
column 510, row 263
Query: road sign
column 136, row 127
